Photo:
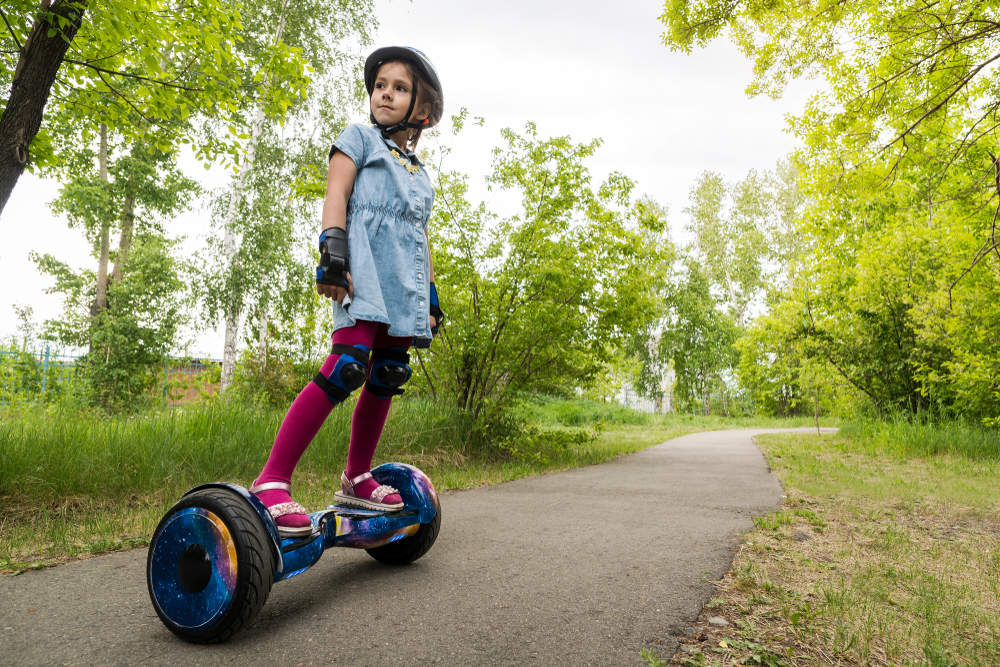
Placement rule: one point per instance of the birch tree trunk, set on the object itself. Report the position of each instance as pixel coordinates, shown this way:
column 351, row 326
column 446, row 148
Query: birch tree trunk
column 125, row 242
column 262, row 334
column 101, row 297
column 732, row 299
column 230, row 246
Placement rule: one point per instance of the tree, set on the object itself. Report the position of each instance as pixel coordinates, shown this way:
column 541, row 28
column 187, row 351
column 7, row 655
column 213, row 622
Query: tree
column 911, row 86
column 535, row 301
column 131, row 332
column 650, row 368
column 897, row 278
column 41, row 53
column 131, row 340
column 877, row 290
column 696, row 335
column 746, row 235
column 788, row 202
column 269, row 279
column 97, row 200
column 730, row 241
column 781, row 367
column 872, row 296
column 141, row 68
column 328, row 37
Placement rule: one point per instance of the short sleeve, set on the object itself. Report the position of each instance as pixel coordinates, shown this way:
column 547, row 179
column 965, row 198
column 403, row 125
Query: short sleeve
column 351, row 143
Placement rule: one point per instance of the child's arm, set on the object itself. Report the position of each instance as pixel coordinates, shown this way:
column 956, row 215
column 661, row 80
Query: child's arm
column 339, row 185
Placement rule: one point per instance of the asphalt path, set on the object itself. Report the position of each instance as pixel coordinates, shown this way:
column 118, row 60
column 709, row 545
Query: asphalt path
column 581, row 567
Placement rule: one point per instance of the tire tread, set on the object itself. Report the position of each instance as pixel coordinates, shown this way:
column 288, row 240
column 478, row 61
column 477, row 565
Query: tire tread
column 404, row 552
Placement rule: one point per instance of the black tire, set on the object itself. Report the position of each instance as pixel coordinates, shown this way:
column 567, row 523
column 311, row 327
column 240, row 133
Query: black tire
column 404, row 552
column 255, row 564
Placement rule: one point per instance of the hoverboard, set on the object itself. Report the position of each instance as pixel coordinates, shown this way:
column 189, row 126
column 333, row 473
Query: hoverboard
column 217, row 552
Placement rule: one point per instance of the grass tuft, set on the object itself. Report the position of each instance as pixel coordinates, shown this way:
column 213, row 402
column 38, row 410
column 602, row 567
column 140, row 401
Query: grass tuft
column 902, row 437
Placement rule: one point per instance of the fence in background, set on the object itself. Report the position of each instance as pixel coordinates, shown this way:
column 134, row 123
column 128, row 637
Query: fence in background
column 186, row 381
column 629, row 398
column 31, row 375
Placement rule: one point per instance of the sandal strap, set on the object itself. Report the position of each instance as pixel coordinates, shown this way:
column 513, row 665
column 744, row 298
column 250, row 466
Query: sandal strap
column 351, row 483
column 377, row 496
column 281, row 509
column 271, row 486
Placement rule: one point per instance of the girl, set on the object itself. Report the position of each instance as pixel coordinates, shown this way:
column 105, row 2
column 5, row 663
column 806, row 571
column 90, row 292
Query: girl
column 375, row 264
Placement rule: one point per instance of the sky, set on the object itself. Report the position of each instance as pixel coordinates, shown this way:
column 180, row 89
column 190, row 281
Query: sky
column 584, row 69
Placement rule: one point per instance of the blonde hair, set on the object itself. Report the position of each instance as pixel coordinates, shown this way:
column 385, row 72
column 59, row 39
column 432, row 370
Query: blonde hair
column 426, row 94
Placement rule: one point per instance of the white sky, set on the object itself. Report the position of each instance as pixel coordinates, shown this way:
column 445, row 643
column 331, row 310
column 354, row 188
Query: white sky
column 587, row 69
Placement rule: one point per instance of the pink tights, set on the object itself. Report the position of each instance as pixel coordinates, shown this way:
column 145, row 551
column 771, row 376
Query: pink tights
column 311, row 408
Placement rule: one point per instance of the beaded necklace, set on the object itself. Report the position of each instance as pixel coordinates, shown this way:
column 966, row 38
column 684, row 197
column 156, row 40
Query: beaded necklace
column 407, row 161
column 412, row 168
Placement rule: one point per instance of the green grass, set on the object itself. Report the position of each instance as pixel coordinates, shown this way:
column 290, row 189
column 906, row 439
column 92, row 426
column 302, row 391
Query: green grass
column 76, row 483
column 583, row 412
column 57, row 455
column 900, row 437
column 839, row 471
column 887, row 551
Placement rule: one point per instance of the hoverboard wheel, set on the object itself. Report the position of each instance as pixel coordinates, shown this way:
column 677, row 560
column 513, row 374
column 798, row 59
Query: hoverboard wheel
column 210, row 566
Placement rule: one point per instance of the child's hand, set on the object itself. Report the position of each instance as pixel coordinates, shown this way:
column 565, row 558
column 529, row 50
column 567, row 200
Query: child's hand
column 336, row 292
column 436, row 314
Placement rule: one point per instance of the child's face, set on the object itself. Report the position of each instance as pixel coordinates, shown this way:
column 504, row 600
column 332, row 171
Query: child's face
column 391, row 95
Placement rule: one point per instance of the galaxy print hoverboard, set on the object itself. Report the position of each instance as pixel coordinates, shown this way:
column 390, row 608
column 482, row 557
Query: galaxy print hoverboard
column 217, row 552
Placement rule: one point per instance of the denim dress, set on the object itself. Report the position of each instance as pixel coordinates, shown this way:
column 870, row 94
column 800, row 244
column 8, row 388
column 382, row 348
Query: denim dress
column 386, row 221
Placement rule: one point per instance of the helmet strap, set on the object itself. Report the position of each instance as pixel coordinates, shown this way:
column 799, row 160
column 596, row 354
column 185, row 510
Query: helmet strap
column 404, row 124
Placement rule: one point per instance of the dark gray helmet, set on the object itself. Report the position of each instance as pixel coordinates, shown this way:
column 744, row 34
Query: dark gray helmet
column 419, row 60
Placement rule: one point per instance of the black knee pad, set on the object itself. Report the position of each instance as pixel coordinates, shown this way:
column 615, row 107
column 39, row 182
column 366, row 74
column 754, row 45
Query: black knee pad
column 390, row 370
column 348, row 375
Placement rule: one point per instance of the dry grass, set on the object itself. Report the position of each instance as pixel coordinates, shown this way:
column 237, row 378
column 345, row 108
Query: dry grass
column 871, row 561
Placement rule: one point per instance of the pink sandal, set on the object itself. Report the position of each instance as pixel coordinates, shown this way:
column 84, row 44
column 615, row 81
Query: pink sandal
column 289, row 509
column 347, row 496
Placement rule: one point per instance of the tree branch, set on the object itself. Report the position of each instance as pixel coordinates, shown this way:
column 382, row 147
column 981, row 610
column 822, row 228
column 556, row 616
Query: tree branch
column 10, row 29
column 112, row 55
column 420, row 358
column 467, row 243
column 126, row 100
column 990, row 244
column 964, row 81
column 833, row 363
column 130, row 76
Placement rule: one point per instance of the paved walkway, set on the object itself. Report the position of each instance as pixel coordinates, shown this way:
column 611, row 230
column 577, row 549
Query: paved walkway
column 582, row 567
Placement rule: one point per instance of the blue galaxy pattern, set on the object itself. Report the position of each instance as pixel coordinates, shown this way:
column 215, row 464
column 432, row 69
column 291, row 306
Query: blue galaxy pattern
column 193, row 526
column 300, row 558
column 370, row 533
column 414, row 486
